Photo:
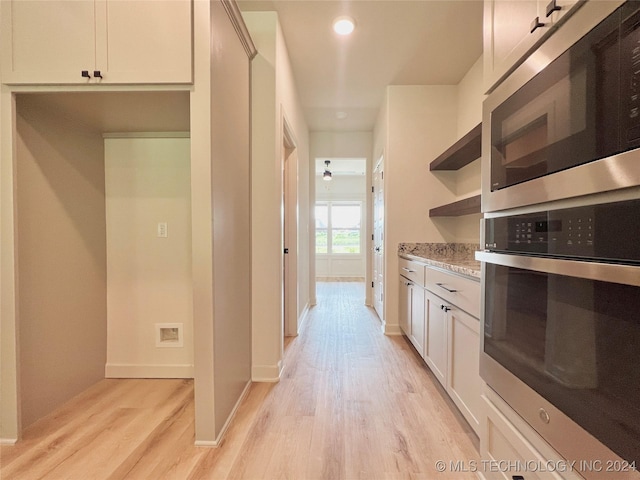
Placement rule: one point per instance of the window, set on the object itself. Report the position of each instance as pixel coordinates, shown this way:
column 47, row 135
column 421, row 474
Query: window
column 338, row 227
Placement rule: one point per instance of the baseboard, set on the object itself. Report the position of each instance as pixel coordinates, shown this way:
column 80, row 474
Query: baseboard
column 232, row 415
column 206, row 443
column 303, row 317
column 266, row 373
column 8, row 441
column 115, row 370
column 391, row 329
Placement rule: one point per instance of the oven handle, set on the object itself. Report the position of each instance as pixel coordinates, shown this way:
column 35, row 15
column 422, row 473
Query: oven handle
column 604, row 272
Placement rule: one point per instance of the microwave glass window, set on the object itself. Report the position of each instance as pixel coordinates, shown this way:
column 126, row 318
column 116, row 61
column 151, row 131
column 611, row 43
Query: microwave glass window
column 565, row 116
column 574, row 341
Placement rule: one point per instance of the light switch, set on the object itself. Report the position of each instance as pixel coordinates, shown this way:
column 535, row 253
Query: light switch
column 162, row 230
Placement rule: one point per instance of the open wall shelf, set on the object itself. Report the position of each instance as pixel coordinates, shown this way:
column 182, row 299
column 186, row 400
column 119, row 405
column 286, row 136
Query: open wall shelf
column 466, row 206
column 461, row 153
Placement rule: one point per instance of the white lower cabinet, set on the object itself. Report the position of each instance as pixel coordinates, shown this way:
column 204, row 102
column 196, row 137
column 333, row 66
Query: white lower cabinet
column 463, row 376
column 436, row 344
column 445, row 335
column 411, row 301
column 510, row 447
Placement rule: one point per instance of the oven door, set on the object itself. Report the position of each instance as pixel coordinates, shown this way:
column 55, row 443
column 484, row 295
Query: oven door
column 561, row 345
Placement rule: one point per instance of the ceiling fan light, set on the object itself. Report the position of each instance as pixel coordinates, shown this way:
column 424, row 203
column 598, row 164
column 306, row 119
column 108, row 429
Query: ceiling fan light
column 326, row 176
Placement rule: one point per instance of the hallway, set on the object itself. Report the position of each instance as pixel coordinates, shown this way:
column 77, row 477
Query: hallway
column 352, row 404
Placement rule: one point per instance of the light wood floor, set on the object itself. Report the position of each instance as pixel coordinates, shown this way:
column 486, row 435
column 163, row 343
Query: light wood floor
column 352, row 404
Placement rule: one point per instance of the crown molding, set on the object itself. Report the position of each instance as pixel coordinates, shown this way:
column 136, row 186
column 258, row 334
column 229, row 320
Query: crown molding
column 233, row 11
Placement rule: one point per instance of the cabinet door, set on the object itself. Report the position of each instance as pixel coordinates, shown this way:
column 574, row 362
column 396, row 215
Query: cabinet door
column 436, row 342
column 128, row 41
column 404, row 304
column 463, row 377
column 46, row 41
column 417, row 318
column 144, row 41
column 508, row 36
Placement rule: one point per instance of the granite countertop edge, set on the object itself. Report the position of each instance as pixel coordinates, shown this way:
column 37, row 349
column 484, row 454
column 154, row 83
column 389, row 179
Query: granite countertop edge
column 457, row 258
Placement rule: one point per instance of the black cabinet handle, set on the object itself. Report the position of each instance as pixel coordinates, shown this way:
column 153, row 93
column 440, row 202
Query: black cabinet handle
column 97, row 74
column 536, row 24
column 553, row 7
column 450, row 290
column 85, row 74
column 445, row 308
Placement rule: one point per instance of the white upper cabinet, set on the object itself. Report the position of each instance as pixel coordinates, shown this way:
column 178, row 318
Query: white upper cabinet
column 512, row 28
column 123, row 41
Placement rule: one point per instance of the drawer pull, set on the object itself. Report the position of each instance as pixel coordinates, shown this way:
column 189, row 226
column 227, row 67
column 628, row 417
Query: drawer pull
column 445, row 308
column 408, row 270
column 441, row 285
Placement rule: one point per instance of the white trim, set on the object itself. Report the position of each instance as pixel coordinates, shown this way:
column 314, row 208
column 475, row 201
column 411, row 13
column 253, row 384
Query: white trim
column 303, row 318
column 391, row 329
column 232, row 415
column 115, row 370
column 8, row 441
column 146, row 135
column 266, row 373
column 206, row 443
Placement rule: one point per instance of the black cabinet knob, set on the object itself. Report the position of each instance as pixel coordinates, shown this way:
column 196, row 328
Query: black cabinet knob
column 85, row 74
column 536, row 24
column 97, row 74
column 553, row 7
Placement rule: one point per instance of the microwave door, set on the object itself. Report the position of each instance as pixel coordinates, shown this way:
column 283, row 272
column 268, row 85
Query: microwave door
column 564, row 116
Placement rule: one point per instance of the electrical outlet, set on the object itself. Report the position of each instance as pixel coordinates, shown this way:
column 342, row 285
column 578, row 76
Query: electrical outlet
column 162, row 230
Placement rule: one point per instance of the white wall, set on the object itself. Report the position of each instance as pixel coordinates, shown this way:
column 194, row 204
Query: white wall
column 421, row 124
column 415, row 125
column 343, row 188
column 274, row 102
column 61, row 258
column 465, row 182
column 149, row 282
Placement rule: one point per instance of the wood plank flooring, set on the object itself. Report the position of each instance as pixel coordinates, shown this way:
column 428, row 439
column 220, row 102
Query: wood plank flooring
column 352, row 404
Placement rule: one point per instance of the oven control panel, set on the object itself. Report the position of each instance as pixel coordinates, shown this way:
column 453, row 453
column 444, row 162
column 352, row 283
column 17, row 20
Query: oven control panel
column 608, row 231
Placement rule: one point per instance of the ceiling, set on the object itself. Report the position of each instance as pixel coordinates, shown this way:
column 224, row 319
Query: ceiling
column 396, row 42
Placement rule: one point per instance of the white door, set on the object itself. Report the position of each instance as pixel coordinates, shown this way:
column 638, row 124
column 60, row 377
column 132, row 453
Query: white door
column 290, row 238
column 378, row 238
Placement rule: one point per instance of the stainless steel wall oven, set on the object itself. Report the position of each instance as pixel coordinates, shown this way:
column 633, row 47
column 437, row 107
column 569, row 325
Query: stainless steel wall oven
column 562, row 316
column 561, row 258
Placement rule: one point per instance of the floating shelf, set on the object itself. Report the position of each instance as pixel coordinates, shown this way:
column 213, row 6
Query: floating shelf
column 466, row 206
column 461, row 153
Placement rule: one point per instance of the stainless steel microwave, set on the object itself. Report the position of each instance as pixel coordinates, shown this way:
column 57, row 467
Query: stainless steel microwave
column 566, row 123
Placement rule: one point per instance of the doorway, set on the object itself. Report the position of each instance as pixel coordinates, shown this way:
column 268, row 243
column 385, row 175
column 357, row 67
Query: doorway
column 377, row 253
column 340, row 218
column 73, row 158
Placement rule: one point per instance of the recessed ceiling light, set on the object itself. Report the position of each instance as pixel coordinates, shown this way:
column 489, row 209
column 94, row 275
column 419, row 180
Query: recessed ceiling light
column 341, row 115
column 343, row 25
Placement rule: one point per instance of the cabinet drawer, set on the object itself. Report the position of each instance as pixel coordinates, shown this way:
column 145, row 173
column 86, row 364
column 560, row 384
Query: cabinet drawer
column 462, row 292
column 414, row 271
column 505, row 437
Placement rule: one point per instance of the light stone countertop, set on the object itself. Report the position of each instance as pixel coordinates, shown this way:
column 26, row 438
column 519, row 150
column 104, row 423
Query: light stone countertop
column 455, row 257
